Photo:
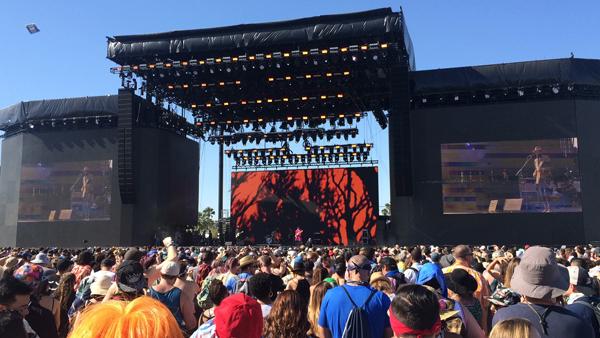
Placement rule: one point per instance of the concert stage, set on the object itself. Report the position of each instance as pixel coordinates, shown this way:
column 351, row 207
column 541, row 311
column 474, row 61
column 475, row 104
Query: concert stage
column 94, row 171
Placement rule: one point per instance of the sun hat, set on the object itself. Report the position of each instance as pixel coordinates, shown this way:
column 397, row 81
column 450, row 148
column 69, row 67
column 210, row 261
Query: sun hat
column 246, row 260
column 461, row 282
column 539, row 276
column 29, row 273
column 238, row 316
column 41, row 258
column 130, row 277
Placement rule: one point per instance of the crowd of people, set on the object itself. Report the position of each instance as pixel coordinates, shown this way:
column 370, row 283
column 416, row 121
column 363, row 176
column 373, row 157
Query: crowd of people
column 262, row 291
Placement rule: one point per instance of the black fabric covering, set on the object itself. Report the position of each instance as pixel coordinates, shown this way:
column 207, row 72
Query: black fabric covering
column 24, row 112
column 380, row 24
column 509, row 75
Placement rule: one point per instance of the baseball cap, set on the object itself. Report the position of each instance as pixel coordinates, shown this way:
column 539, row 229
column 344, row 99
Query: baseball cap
column 238, row 316
column 170, row 269
column 579, row 277
column 130, row 276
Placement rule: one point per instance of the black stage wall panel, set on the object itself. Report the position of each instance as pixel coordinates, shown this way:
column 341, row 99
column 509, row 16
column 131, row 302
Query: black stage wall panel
column 10, row 178
column 432, row 127
column 588, row 123
column 166, row 183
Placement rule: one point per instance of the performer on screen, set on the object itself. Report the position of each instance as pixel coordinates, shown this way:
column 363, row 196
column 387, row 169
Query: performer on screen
column 298, row 235
column 541, row 175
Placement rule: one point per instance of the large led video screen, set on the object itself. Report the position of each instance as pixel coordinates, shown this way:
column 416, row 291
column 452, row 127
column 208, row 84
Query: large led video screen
column 331, row 206
column 535, row 176
column 65, row 191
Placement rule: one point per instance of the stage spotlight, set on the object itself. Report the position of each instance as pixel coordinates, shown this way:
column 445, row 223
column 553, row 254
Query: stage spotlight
column 520, row 92
column 555, row 89
column 31, row 126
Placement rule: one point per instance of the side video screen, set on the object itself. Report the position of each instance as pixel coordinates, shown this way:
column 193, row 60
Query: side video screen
column 65, row 191
column 533, row 176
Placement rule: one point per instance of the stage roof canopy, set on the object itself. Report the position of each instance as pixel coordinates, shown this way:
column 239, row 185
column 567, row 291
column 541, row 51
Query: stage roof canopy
column 58, row 109
column 325, row 31
column 556, row 72
column 305, row 72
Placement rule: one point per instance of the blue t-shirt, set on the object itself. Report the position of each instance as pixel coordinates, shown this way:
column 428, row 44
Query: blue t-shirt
column 561, row 323
column 336, row 308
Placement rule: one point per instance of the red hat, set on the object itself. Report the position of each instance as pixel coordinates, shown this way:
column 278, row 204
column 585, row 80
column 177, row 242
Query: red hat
column 239, row 316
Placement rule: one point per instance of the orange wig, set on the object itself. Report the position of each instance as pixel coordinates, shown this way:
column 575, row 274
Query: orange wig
column 143, row 317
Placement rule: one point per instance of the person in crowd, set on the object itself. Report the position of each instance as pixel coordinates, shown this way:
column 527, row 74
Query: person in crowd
column 238, row 283
column 260, row 287
column 203, row 269
column 9, row 264
column 41, row 319
column 167, row 293
column 383, row 284
column 216, row 293
column 264, row 263
column 431, row 276
column 14, row 299
column 514, row 328
column 129, row 284
column 232, row 265
column 389, row 268
column 143, row 317
column 582, row 296
column 338, row 302
column 541, row 281
column 463, row 287
column 237, row 316
column 288, row 317
column 415, row 312
column 314, row 306
column 413, row 265
column 339, row 271
column 299, row 282
column 64, row 295
column 463, row 260
column 106, row 267
column 83, row 267
column 503, row 295
column 63, row 266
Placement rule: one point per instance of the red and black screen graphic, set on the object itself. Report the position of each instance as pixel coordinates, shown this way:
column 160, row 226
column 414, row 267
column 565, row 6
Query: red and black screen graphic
column 334, row 204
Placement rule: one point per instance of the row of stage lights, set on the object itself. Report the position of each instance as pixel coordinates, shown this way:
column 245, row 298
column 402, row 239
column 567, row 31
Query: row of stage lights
column 217, row 103
column 290, row 121
column 295, row 135
column 77, row 121
column 352, row 153
column 270, row 79
column 278, row 55
column 494, row 95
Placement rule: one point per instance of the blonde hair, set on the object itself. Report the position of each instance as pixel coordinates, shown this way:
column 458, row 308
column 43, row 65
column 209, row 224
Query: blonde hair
column 513, row 328
column 382, row 284
column 143, row 317
column 314, row 305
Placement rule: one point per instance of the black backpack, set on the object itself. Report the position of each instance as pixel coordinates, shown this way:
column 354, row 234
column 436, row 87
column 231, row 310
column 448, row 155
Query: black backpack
column 357, row 325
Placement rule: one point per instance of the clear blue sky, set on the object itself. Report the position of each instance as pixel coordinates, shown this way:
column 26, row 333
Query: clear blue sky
column 67, row 58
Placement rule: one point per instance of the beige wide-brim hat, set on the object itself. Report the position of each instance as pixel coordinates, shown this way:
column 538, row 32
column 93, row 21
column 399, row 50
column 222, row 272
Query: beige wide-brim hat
column 539, row 276
column 246, row 260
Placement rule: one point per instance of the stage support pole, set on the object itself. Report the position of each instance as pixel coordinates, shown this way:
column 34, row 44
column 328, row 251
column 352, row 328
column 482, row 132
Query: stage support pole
column 220, row 205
